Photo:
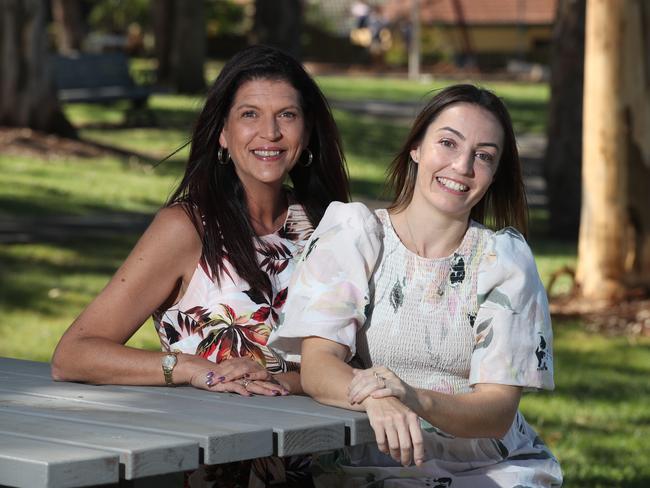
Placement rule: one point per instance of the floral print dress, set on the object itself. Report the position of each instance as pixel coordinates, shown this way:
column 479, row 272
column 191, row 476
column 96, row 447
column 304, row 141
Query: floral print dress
column 477, row 316
column 233, row 320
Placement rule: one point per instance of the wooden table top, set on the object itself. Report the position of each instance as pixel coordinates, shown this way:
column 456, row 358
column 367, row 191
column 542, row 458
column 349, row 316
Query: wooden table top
column 60, row 434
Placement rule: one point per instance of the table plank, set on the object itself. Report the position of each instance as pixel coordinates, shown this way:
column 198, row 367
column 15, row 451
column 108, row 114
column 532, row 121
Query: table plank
column 293, row 433
column 141, row 453
column 358, row 429
column 219, row 443
column 32, row 463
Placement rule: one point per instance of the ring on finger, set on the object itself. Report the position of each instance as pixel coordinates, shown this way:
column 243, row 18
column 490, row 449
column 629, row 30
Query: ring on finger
column 380, row 379
column 245, row 383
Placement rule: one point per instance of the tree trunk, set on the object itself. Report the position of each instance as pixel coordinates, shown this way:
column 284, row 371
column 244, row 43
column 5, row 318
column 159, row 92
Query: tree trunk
column 563, row 159
column 614, row 247
column 180, row 33
column 69, row 27
column 278, row 23
column 636, row 94
column 162, row 12
column 27, row 94
column 188, row 47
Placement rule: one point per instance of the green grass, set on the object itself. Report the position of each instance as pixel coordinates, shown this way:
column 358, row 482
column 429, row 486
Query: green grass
column 527, row 102
column 596, row 421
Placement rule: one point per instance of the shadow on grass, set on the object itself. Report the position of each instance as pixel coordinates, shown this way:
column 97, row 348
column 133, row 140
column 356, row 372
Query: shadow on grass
column 50, row 202
column 28, row 277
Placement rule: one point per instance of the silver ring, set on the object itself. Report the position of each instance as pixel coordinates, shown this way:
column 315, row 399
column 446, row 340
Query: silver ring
column 380, row 379
column 245, row 382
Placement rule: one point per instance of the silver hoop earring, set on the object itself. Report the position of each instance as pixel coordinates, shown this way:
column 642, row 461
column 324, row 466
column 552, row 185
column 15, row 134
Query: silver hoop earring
column 310, row 159
column 220, row 156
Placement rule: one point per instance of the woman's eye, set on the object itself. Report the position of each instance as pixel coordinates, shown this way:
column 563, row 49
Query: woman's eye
column 447, row 143
column 248, row 114
column 487, row 157
column 288, row 115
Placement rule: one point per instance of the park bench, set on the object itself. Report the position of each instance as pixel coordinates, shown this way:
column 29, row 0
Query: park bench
column 97, row 78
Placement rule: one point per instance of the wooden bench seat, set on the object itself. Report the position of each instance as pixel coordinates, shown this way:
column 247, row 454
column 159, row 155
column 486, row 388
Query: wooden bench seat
column 97, row 78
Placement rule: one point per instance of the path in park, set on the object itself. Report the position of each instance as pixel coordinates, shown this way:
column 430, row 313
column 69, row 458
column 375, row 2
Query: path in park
column 60, row 228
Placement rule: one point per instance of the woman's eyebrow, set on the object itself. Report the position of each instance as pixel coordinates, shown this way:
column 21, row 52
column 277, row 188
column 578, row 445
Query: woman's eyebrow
column 454, row 131
column 256, row 107
column 461, row 136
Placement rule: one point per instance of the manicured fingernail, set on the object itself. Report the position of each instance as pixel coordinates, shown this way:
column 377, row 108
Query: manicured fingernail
column 209, row 382
column 221, row 379
column 276, row 393
column 209, row 374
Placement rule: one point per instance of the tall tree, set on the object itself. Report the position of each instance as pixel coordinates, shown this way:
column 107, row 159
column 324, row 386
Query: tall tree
column 562, row 162
column 614, row 245
column 180, row 36
column 69, row 25
column 27, row 94
column 278, row 23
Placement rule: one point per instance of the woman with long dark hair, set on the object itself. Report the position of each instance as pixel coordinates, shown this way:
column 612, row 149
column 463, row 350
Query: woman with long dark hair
column 213, row 267
column 445, row 319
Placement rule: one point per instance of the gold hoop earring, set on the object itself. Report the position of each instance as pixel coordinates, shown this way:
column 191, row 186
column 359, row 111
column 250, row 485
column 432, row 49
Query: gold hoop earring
column 310, row 158
column 220, row 156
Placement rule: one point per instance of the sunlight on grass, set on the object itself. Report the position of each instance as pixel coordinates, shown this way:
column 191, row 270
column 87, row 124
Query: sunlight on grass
column 78, row 186
column 45, row 286
column 596, row 421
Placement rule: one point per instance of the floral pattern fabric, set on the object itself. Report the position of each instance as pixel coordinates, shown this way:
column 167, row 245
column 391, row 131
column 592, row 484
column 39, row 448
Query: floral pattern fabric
column 233, row 320
column 477, row 316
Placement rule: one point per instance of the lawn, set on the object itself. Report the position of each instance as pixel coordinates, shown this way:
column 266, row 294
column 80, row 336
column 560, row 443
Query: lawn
column 596, row 421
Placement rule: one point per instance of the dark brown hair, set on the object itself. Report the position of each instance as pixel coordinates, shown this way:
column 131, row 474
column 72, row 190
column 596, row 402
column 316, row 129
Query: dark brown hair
column 504, row 203
column 213, row 192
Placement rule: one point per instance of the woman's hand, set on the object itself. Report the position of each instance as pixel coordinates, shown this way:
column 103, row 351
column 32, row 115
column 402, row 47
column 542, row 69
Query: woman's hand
column 379, row 382
column 238, row 375
column 397, row 429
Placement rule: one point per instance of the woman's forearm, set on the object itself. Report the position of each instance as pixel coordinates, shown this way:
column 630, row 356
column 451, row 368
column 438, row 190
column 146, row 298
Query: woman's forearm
column 486, row 412
column 290, row 381
column 324, row 374
column 102, row 361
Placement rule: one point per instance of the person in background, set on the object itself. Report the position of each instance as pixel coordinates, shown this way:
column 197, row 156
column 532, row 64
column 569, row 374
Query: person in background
column 214, row 265
column 446, row 320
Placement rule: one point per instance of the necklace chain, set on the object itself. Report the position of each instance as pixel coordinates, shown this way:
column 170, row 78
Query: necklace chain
column 408, row 227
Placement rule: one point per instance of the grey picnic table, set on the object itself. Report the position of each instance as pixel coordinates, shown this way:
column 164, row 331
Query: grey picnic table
column 61, row 434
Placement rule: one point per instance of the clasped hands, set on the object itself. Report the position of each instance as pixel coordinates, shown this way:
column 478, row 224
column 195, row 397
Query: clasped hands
column 386, row 399
column 237, row 375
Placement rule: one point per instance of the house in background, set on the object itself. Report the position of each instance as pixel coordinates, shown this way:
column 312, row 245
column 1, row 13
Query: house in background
column 485, row 32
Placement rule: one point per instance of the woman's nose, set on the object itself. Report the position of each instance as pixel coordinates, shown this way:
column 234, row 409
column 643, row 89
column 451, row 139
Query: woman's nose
column 270, row 129
column 464, row 164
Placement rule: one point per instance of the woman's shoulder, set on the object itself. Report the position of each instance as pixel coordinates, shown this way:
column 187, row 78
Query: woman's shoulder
column 174, row 227
column 508, row 264
column 510, row 245
column 353, row 215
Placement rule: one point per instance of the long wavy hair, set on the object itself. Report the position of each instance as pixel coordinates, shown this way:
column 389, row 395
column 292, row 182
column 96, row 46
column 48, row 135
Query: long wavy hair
column 504, row 204
column 212, row 194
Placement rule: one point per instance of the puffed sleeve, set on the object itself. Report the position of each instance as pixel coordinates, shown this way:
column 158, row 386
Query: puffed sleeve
column 513, row 335
column 328, row 291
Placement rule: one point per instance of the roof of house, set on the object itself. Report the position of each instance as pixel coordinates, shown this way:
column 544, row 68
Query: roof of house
column 477, row 12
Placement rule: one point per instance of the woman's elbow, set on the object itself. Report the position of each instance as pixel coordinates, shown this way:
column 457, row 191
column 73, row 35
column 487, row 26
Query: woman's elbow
column 63, row 361
column 58, row 368
column 307, row 383
column 501, row 427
